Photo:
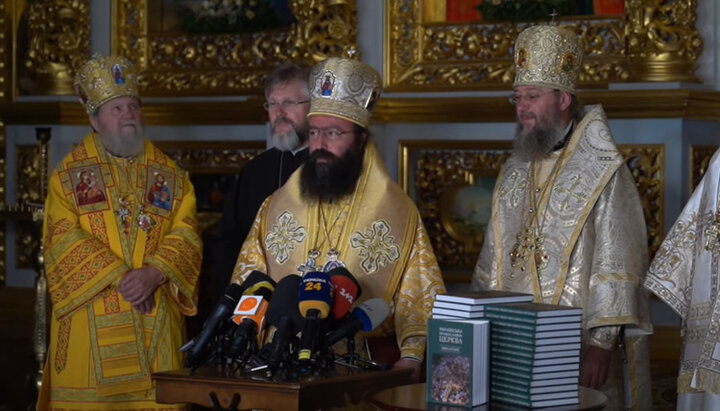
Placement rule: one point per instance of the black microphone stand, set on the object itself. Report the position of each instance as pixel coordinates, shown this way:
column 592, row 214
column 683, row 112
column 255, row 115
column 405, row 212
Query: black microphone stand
column 353, row 360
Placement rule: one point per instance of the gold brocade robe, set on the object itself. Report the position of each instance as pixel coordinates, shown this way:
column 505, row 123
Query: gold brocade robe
column 105, row 216
column 381, row 240
column 685, row 274
column 593, row 236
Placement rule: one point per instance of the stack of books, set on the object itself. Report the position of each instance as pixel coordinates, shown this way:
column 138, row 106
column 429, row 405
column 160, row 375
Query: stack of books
column 534, row 354
column 470, row 305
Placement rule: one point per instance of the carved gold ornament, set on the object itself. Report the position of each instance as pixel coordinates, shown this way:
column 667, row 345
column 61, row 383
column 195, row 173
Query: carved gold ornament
column 171, row 64
column 4, row 34
column 656, row 40
column 27, row 187
column 58, row 42
column 700, row 156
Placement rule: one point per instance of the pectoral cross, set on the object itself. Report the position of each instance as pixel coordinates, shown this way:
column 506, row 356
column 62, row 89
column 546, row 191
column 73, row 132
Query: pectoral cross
column 309, row 265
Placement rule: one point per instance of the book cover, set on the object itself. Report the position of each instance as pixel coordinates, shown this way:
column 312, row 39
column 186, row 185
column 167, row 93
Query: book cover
column 530, row 331
column 544, row 338
column 523, row 376
column 536, row 324
column 535, row 310
column 533, row 391
column 531, row 362
column 539, row 345
column 458, row 362
column 535, row 370
column 535, row 400
column 458, row 314
column 549, row 350
column 485, row 297
column 551, row 385
column 457, row 306
column 446, row 317
column 502, row 350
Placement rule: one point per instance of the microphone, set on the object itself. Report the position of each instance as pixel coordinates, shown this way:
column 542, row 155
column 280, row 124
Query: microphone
column 249, row 315
column 219, row 314
column 365, row 317
column 314, row 299
column 346, row 290
column 283, row 314
column 257, row 283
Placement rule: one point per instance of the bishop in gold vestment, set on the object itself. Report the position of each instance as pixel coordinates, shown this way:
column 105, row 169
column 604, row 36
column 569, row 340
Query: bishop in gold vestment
column 374, row 230
column 105, row 341
column 567, row 223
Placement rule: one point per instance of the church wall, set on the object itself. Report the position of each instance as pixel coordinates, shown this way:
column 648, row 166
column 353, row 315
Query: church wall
column 676, row 134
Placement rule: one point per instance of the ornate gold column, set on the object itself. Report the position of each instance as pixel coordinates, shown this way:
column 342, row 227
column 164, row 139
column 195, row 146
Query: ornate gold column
column 663, row 43
column 42, row 299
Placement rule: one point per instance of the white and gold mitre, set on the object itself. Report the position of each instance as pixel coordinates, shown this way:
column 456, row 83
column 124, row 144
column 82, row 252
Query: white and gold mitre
column 548, row 56
column 344, row 88
column 102, row 79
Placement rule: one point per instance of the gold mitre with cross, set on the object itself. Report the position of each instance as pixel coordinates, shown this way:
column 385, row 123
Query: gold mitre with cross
column 102, row 79
column 548, row 56
column 344, row 88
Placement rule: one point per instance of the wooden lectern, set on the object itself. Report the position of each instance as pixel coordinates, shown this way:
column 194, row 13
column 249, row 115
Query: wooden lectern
column 208, row 387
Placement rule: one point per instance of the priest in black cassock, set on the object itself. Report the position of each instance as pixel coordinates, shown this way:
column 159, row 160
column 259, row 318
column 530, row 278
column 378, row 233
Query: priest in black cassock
column 287, row 102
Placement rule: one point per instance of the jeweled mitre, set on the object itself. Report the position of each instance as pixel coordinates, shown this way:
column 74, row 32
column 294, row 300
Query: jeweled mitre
column 548, row 56
column 344, row 88
column 102, row 79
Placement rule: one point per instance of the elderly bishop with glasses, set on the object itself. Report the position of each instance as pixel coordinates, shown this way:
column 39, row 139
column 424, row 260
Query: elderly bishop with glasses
column 342, row 209
column 567, row 223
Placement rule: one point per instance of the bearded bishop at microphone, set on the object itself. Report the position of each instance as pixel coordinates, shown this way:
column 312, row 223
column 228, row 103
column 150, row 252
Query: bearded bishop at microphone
column 342, row 209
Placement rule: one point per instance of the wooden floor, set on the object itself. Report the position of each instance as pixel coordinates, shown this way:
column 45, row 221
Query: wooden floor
column 16, row 322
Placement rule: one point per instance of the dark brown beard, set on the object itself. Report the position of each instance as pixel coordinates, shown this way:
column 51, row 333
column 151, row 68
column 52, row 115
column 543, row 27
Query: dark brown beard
column 335, row 179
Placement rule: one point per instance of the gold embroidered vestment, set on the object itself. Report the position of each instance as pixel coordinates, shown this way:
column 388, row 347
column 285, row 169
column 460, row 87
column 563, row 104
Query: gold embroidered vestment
column 380, row 238
column 101, row 221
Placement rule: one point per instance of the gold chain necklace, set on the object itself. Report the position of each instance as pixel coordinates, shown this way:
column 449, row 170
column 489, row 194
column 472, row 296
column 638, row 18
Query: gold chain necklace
column 529, row 240
column 333, row 254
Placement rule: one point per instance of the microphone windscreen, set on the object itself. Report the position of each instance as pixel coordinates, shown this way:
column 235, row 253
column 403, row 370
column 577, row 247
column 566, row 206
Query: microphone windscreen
column 285, row 301
column 256, row 280
column 232, row 294
column 315, row 293
column 346, row 290
column 262, row 285
column 372, row 313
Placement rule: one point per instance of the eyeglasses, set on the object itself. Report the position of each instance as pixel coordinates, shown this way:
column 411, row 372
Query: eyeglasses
column 285, row 105
column 329, row 133
column 531, row 97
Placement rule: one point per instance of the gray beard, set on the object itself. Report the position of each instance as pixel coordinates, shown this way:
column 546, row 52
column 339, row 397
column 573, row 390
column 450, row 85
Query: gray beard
column 538, row 143
column 129, row 145
column 287, row 141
